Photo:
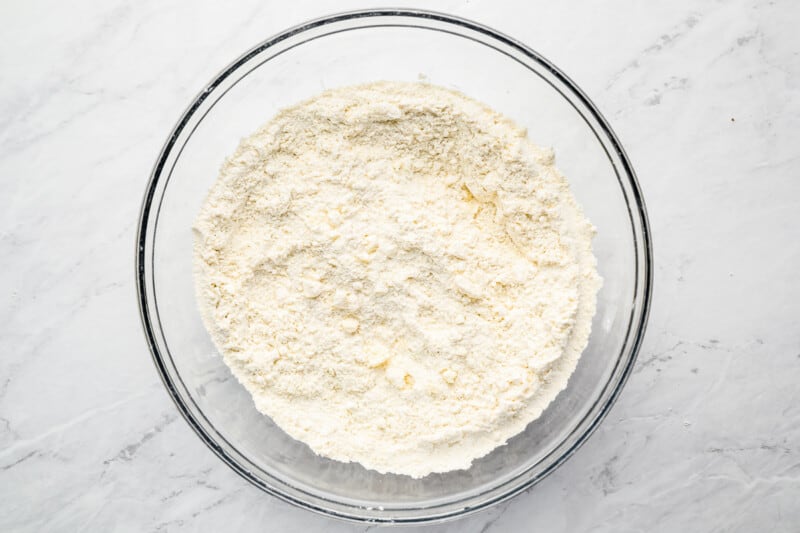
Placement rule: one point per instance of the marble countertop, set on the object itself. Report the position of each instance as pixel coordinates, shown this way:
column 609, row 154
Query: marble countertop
column 704, row 95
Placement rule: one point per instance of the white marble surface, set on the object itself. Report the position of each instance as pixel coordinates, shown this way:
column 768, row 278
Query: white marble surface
column 704, row 95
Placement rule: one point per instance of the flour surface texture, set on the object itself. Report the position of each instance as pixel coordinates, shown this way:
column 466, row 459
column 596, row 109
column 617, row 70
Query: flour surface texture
column 397, row 276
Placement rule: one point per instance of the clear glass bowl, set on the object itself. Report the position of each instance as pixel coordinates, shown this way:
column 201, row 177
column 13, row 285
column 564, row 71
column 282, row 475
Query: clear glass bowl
column 360, row 47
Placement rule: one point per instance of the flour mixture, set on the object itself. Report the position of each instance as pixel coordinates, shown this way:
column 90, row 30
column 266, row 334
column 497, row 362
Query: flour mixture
column 397, row 276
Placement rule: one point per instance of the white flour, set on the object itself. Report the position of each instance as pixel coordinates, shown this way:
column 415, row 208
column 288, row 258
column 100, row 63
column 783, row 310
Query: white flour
column 397, row 276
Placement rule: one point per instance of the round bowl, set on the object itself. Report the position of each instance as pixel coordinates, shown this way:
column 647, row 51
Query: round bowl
column 354, row 48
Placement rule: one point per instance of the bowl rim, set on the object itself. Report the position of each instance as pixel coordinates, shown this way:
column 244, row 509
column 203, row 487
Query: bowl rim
column 635, row 331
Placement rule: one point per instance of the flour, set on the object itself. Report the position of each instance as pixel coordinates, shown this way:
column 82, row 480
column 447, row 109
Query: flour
column 397, row 276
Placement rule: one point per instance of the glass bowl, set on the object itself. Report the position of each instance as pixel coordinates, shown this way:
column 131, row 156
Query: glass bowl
column 353, row 48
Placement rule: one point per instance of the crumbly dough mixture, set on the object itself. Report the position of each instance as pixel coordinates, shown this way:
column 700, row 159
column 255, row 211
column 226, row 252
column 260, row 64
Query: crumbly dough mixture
column 397, row 276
